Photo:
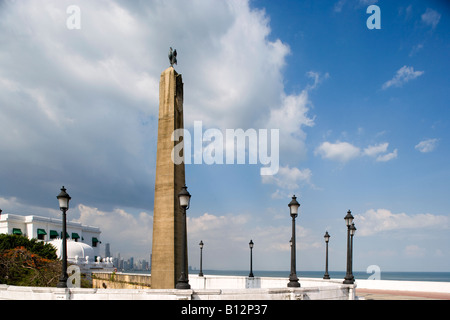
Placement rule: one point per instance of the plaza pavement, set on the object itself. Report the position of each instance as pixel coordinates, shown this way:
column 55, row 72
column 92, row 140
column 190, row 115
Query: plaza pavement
column 372, row 294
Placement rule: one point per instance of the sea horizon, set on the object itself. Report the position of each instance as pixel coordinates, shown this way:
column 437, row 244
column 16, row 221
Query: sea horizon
column 438, row 276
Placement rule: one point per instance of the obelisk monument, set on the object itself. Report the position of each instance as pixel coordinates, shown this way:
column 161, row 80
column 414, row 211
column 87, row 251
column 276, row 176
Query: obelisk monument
column 170, row 178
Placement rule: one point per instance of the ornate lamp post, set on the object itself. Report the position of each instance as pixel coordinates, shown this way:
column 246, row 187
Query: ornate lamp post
column 352, row 233
column 293, row 207
column 200, row 274
column 349, row 279
column 250, row 245
column 327, row 238
column 184, row 198
column 63, row 199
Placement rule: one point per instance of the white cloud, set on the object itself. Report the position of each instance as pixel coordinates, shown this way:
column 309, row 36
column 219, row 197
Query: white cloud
column 388, row 156
column 129, row 234
column 344, row 151
column 431, row 17
column 212, row 223
column 340, row 151
column 375, row 221
column 414, row 251
column 228, row 235
column 291, row 116
column 376, row 149
column 14, row 206
column 97, row 89
column 247, row 63
column 403, row 75
column 426, row 145
column 380, row 152
column 288, row 180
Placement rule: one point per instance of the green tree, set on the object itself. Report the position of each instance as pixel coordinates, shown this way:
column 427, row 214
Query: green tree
column 12, row 241
column 26, row 262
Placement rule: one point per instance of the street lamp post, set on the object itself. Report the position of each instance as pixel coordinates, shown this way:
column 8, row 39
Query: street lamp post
column 293, row 207
column 352, row 233
column 349, row 279
column 63, row 199
column 327, row 238
column 250, row 244
column 184, row 198
column 201, row 250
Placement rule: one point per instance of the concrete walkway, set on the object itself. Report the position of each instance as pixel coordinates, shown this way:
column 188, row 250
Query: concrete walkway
column 372, row 294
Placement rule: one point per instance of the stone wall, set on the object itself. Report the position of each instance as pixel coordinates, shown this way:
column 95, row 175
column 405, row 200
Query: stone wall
column 113, row 280
column 226, row 287
column 120, row 286
column 35, row 293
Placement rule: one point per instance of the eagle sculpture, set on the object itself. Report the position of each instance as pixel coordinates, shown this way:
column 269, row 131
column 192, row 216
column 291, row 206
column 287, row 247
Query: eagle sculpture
column 172, row 56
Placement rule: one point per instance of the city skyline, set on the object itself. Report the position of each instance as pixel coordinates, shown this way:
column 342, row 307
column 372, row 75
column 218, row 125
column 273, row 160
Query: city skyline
column 362, row 115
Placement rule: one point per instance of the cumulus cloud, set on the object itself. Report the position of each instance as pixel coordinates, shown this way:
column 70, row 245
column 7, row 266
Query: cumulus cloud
column 380, row 152
column 291, row 116
column 403, row 75
column 12, row 205
column 80, row 107
column 288, row 181
column 375, row 221
column 376, row 149
column 388, row 156
column 344, row 151
column 426, row 145
column 128, row 233
column 340, row 151
column 229, row 235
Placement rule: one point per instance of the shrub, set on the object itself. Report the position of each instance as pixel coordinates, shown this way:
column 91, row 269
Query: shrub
column 26, row 262
column 21, row 267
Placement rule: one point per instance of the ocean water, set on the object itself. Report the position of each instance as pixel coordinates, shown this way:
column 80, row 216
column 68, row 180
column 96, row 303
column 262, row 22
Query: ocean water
column 405, row 276
column 388, row 275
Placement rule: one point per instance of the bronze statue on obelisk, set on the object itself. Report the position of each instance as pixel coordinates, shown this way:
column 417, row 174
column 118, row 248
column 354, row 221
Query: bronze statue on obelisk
column 170, row 178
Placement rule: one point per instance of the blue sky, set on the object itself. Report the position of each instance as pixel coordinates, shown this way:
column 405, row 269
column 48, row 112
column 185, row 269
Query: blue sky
column 362, row 115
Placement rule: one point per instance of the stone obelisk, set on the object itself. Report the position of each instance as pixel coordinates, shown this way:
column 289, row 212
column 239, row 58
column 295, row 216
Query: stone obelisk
column 170, row 178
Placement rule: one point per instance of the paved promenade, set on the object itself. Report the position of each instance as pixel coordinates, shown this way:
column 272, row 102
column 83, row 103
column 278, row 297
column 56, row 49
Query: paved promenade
column 373, row 294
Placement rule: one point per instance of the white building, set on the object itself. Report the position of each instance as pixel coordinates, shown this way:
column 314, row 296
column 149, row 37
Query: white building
column 48, row 229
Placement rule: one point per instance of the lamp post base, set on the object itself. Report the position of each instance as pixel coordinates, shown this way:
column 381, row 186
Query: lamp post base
column 326, row 277
column 293, row 281
column 62, row 283
column 349, row 280
column 182, row 285
column 183, row 282
column 293, row 284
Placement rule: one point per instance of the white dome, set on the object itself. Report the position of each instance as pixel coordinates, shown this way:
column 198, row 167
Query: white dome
column 74, row 249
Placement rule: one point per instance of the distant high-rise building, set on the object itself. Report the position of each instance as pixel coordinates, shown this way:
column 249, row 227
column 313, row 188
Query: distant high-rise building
column 107, row 250
column 131, row 266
